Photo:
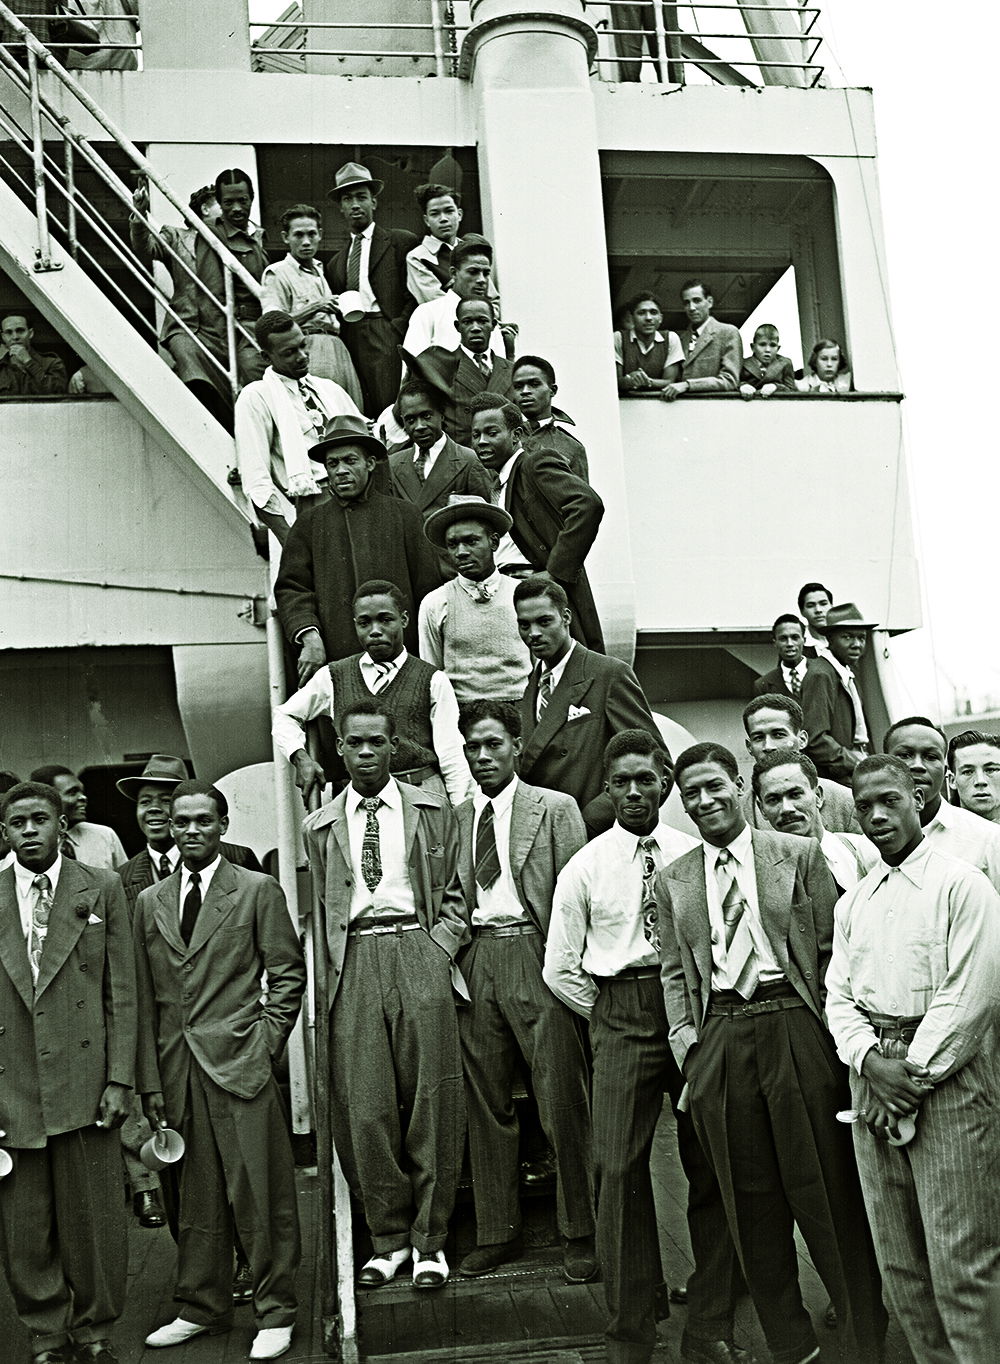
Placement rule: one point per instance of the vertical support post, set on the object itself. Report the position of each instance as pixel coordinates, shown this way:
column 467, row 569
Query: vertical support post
column 70, row 170
column 43, row 254
column 438, row 36
column 231, row 366
column 661, row 42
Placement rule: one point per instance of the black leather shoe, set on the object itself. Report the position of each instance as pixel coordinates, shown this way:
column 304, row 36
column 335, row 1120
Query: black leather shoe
column 56, row 1356
column 96, row 1352
column 148, row 1209
column 243, row 1282
column 486, row 1258
column 714, row 1352
column 830, row 1317
column 678, row 1295
column 535, row 1172
column 579, row 1259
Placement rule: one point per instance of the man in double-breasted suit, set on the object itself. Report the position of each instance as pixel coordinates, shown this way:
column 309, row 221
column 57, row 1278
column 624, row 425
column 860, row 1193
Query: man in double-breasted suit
column 515, row 840
column 385, row 859
column 434, row 467
column 713, row 350
column 372, row 263
column 575, row 699
column 204, row 937
column 67, row 1057
column 746, row 927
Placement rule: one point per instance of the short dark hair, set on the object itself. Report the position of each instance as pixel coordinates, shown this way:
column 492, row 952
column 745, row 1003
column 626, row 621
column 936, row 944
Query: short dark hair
column 883, row 762
column 908, row 720
column 806, row 588
column 538, row 363
column 773, row 700
column 706, row 753
column 782, row 757
column 32, row 790
column 696, row 284
column 274, row 323
column 194, row 787
column 420, row 388
column 493, row 402
column 825, row 343
column 380, row 587
column 505, row 713
column 371, row 708
column 301, row 211
column 528, row 589
column 471, row 245
column 8, row 780
column 787, row 619
column 966, row 739
column 637, row 741
column 47, row 775
column 232, row 177
column 768, row 331
column 200, row 197
column 425, row 193
column 488, row 302
column 644, row 297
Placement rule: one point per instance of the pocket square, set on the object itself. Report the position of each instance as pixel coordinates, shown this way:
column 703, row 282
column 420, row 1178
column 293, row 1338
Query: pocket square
column 94, row 920
column 576, row 713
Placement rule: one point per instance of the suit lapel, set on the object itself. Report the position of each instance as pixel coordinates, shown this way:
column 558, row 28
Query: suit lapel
column 72, row 906
column 571, row 686
column 167, row 912
column 775, row 874
column 704, row 336
column 381, row 242
column 525, row 818
column 13, row 947
column 442, row 475
column 406, row 476
column 466, row 863
column 216, row 907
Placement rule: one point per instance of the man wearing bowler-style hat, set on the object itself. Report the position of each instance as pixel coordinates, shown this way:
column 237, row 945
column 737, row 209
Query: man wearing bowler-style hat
column 832, row 706
column 356, row 535
column 372, row 263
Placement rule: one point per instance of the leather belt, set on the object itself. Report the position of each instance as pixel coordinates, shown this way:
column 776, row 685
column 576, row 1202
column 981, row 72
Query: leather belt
column 768, row 999
column 891, row 1027
column 364, row 927
column 417, row 775
column 504, row 930
column 630, row 973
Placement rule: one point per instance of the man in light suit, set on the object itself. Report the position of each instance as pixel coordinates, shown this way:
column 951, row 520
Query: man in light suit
column 434, row 467
column 575, row 699
column 460, row 375
column 67, row 1058
column 384, row 856
column 203, row 939
column 515, row 840
column 773, row 722
column 713, row 350
column 746, row 924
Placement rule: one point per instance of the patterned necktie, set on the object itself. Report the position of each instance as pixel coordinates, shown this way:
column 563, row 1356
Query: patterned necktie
column 544, row 691
column 382, row 671
column 420, row 463
column 354, row 263
column 482, row 593
column 739, row 943
column 40, row 911
column 650, row 916
column 192, row 905
column 487, row 857
column 67, row 849
column 314, row 412
column 481, row 364
column 371, row 852
column 164, row 866
column 795, row 683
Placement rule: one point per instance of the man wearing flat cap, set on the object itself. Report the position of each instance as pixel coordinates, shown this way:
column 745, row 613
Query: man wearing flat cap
column 372, row 263
column 468, row 626
column 832, row 708
column 354, row 536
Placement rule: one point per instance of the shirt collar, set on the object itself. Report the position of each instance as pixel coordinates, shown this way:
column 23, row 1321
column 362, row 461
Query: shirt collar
column 368, row 665
column 657, row 337
column 434, row 244
column 311, row 269
column 913, row 868
column 739, row 849
column 505, row 472
column 560, row 667
column 483, row 355
column 24, row 875
column 172, row 854
column 501, row 802
column 491, row 583
column 390, row 795
column 845, row 673
column 798, row 671
column 367, row 234
column 204, row 876
column 435, row 449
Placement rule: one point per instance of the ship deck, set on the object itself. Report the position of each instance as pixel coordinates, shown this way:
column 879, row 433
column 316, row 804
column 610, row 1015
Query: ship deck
column 524, row 1312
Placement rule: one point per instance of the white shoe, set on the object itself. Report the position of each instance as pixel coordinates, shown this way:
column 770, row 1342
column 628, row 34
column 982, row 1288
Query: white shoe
column 381, row 1268
column 175, row 1332
column 430, row 1269
column 271, row 1342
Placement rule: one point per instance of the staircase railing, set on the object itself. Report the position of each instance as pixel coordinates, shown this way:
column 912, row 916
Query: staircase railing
column 61, row 209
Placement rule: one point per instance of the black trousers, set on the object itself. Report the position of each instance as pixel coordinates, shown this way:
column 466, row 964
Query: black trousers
column 373, row 343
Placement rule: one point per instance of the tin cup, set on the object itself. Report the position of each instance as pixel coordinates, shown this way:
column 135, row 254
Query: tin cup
column 6, row 1163
column 164, row 1147
column 351, row 305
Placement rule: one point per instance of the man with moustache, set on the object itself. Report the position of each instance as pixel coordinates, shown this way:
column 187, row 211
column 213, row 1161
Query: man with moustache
column 774, row 723
column 974, row 773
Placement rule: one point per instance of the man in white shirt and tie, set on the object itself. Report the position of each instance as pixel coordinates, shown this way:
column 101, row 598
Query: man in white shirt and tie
column 461, row 374
column 789, row 641
column 433, row 323
column 746, row 920
column 602, row 960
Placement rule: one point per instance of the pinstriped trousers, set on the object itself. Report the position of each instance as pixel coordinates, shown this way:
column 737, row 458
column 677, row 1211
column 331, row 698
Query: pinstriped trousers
column 934, row 1207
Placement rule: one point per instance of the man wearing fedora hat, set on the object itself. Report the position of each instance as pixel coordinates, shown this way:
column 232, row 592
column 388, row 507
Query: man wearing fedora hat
column 356, row 535
column 834, row 713
column 468, row 626
column 372, row 263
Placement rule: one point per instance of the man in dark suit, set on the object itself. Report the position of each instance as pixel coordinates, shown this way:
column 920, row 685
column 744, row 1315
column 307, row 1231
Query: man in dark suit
column 515, row 840
column 203, row 939
column 462, row 374
column 384, row 857
column 372, row 263
column 434, row 467
column 546, row 427
column 839, row 732
column 575, row 699
column 788, row 634
column 67, row 1058
column 713, row 350
column 556, row 515
column 746, row 924
column 772, row 723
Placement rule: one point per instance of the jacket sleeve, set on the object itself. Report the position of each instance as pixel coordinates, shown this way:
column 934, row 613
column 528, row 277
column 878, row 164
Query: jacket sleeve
column 576, row 505
column 822, row 892
column 682, row 1030
column 281, row 953
column 295, row 586
column 626, row 706
column 818, row 703
column 569, row 833
column 147, row 1069
column 421, row 557
column 451, row 928
column 121, row 1010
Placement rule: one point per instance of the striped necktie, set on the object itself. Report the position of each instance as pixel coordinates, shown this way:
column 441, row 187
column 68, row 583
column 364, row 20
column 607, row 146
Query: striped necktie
column 739, row 942
column 487, row 857
column 382, row 671
column 544, row 691
column 354, row 262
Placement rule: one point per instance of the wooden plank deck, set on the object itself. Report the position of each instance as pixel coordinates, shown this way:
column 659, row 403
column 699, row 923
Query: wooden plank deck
column 524, row 1313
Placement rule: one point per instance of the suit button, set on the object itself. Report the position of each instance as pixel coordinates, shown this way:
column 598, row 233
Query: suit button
column 808, row 975
column 2, row 1030
column 347, row 883
column 3, row 1070
column 802, row 928
column 189, row 966
column 79, row 1003
column 343, row 927
column 84, row 1044
column 83, row 966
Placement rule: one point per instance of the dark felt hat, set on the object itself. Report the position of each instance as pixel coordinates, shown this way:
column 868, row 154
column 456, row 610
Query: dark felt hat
column 350, row 176
column 161, row 770
column 847, row 617
column 347, row 431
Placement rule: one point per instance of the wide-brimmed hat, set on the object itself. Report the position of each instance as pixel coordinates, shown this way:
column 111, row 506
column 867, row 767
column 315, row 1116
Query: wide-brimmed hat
column 465, row 507
column 846, row 617
column 347, row 431
column 352, row 175
column 161, row 770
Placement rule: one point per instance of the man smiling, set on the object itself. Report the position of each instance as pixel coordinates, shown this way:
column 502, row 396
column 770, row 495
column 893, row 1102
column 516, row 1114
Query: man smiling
column 974, row 772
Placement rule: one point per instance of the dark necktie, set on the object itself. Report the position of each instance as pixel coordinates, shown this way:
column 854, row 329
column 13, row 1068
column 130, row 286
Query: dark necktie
column 67, row 849
column 487, row 857
column 192, row 906
column 544, row 691
column 371, row 852
column 794, row 683
column 420, row 463
column 354, row 263
column 650, row 915
column 482, row 365
column 164, row 866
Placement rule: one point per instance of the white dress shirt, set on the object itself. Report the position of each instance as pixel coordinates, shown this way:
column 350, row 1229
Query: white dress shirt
column 597, row 926
column 316, row 698
column 364, row 285
column 432, row 454
column 799, row 672
column 744, row 867
column 204, row 881
column 556, row 673
column 97, row 845
column 433, row 324
column 850, row 685
column 506, row 553
column 849, row 857
column 393, row 897
column 26, row 896
column 920, row 939
column 959, row 833
column 172, row 854
column 500, row 904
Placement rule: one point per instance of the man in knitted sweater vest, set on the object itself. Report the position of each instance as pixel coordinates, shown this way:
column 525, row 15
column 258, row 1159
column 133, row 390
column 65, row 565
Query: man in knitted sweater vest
column 419, row 696
column 468, row 626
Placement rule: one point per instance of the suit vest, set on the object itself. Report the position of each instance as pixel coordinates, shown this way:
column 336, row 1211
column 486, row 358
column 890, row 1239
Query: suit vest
column 407, row 696
column 651, row 362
